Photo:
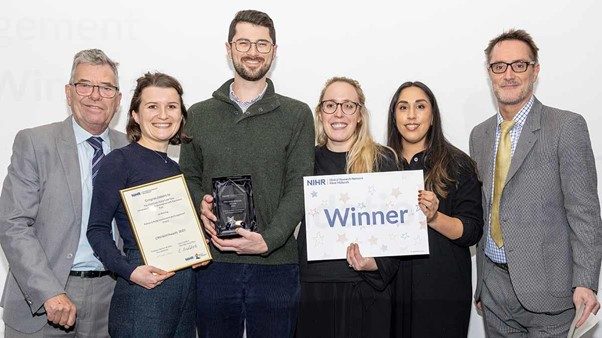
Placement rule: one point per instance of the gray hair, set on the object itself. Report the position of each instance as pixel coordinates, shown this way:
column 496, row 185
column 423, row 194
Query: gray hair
column 94, row 57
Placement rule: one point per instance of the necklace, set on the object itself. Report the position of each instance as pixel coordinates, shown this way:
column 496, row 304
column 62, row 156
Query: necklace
column 161, row 157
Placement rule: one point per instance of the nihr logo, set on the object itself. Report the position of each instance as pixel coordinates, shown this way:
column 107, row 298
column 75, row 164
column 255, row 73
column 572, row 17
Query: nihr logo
column 321, row 181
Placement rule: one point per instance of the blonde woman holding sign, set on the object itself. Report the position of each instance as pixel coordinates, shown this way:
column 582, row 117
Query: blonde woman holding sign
column 352, row 297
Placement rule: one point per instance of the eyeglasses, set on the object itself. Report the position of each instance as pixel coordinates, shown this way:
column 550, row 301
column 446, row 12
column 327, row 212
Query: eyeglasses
column 86, row 89
column 517, row 66
column 244, row 45
column 330, row 107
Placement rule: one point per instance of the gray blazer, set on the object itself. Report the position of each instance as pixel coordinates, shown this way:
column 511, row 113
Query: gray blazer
column 40, row 219
column 549, row 211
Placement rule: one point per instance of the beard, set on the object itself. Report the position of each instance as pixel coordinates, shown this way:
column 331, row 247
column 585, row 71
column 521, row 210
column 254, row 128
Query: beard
column 524, row 93
column 251, row 75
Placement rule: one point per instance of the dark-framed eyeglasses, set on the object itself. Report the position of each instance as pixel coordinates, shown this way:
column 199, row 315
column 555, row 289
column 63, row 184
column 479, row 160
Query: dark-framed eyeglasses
column 244, row 45
column 330, row 107
column 86, row 89
column 517, row 66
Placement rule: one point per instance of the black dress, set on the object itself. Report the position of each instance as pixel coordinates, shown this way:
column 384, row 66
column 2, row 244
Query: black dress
column 337, row 301
column 433, row 293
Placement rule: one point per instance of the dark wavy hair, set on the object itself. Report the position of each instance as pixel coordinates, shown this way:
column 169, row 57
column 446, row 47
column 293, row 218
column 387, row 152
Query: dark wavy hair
column 162, row 81
column 253, row 17
column 443, row 161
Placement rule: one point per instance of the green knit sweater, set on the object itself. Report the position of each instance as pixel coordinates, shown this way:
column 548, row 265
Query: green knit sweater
column 274, row 143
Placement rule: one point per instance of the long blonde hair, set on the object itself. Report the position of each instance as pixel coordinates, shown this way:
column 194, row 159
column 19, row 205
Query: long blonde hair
column 363, row 157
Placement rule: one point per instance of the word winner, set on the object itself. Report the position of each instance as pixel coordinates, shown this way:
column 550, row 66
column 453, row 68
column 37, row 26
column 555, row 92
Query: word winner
column 364, row 218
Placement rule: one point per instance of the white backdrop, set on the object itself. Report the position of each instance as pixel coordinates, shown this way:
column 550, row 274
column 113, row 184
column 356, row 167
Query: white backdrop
column 379, row 43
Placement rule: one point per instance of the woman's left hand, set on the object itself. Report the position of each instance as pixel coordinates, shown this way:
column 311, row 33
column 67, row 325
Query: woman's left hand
column 429, row 204
column 357, row 262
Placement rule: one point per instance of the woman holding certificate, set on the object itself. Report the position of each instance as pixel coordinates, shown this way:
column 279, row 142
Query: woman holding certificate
column 345, row 298
column 147, row 302
column 433, row 292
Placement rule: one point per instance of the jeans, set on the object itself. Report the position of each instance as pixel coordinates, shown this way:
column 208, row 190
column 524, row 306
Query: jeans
column 264, row 298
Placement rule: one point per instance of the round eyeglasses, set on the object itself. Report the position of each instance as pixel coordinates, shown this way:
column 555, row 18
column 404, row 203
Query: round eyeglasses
column 330, row 107
column 86, row 89
column 517, row 66
column 244, row 45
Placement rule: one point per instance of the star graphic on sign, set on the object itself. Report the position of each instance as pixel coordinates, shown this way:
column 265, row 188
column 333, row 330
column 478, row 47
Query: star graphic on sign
column 422, row 224
column 324, row 203
column 384, row 248
column 404, row 235
column 318, row 239
column 371, row 190
column 342, row 238
column 314, row 194
column 313, row 212
column 395, row 192
column 373, row 240
column 361, row 206
column 344, row 197
column 417, row 240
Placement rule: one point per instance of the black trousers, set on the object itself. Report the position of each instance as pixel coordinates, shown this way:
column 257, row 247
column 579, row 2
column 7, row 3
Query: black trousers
column 343, row 310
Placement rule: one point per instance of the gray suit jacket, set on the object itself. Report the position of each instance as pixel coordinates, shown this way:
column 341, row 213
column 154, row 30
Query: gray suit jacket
column 549, row 211
column 40, row 219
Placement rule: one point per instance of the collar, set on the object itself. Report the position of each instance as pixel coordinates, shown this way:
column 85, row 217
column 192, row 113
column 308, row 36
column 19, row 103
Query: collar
column 417, row 161
column 223, row 92
column 237, row 100
column 522, row 114
column 81, row 135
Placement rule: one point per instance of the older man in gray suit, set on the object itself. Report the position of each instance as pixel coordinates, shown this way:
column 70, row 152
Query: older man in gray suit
column 55, row 285
column 540, row 257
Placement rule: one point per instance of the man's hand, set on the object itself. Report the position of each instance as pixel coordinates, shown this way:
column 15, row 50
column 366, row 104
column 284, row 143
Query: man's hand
column 149, row 276
column 250, row 243
column 585, row 296
column 60, row 310
column 207, row 217
column 358, row 262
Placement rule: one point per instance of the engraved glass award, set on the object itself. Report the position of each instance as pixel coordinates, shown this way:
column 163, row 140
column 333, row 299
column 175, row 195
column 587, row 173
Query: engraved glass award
column 233, row 205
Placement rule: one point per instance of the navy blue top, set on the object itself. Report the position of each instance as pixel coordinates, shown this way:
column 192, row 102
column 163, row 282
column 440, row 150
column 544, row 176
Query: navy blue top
column 122, row 168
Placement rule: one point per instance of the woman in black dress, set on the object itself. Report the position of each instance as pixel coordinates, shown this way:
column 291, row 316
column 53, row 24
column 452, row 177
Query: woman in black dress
column 345, row 298
column 433, row 292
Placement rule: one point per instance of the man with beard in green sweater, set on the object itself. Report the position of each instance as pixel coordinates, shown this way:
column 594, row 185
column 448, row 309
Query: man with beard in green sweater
column 248, row 129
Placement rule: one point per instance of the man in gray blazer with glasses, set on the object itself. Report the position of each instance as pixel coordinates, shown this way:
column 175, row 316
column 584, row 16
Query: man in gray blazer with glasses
column 539, row 258
column 55, row 285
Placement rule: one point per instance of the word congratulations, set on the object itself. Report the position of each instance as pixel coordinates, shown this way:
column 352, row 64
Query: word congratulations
column 364, row 218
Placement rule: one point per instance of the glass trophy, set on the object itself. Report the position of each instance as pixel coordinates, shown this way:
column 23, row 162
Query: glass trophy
column 233, row 205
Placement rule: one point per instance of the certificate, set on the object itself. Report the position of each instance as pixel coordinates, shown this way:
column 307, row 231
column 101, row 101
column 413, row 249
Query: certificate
column 379, row 211
column 165, row 224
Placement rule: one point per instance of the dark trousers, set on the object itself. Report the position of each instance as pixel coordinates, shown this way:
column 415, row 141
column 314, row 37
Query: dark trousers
column 164, row 311
column 264, row 298
column 344, row 310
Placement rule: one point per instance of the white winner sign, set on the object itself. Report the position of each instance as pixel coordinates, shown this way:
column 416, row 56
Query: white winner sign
column 379, row 211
